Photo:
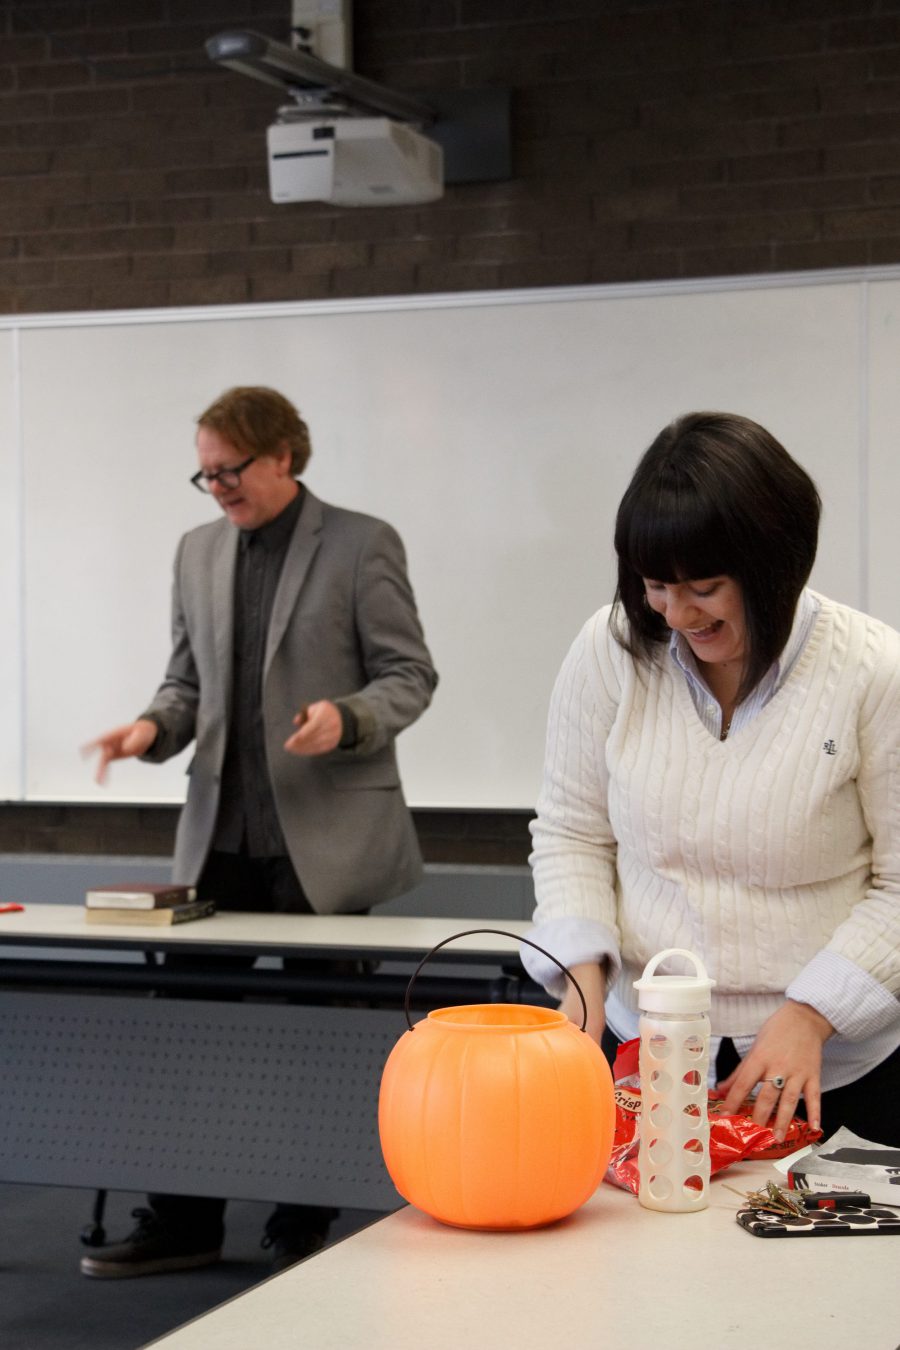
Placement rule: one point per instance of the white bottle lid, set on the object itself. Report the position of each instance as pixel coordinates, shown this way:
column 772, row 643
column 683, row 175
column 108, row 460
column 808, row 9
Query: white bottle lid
column 674, row 993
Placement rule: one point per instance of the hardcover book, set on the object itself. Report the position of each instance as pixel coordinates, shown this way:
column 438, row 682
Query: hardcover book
column 845, row 1162
column 163, row 916
column 139, row 895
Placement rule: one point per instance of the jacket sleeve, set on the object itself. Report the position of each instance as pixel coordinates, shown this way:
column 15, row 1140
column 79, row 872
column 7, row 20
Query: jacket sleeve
column 174, row 705
column 400, row 677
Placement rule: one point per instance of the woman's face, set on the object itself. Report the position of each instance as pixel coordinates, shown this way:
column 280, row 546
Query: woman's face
column 708, row 613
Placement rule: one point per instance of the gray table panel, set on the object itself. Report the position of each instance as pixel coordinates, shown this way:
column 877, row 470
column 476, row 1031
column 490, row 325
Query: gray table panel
column 250, row 1101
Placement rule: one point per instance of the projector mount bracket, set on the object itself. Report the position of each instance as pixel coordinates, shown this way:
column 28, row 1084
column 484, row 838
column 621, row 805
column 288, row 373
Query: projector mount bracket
column 472, row 126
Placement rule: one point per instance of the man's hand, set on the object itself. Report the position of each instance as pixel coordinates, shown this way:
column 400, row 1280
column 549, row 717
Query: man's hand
column 121, row 743
column 319, row 730
column 592, row 980
column 788, row 1046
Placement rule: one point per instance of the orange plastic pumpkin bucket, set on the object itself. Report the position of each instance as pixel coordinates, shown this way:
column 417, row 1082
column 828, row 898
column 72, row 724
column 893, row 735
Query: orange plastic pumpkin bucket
column 496, row 1115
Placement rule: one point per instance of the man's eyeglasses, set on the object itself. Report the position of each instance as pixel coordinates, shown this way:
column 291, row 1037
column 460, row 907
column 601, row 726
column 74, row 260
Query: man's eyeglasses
column 229, row 478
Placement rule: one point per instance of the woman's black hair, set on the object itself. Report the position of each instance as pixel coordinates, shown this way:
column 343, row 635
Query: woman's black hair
column 717, row 495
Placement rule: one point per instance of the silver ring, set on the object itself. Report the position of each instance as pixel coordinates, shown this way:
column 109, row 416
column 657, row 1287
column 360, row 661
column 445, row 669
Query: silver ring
column 777, row 1081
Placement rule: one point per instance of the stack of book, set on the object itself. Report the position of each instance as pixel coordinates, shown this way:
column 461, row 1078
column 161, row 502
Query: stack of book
column 145, row 903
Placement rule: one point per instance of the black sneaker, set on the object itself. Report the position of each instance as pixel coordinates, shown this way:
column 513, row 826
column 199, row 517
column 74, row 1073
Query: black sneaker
column 287, row 1252
column 150, row 1250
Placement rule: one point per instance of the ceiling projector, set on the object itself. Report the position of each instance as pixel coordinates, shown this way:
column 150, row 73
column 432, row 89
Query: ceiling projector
column 353, row 161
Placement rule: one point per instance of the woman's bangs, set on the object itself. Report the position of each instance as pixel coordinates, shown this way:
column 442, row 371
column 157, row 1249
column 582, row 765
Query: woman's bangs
column 677, row 541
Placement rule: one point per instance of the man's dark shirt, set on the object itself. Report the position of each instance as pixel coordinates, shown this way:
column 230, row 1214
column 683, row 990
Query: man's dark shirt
column 247, row 820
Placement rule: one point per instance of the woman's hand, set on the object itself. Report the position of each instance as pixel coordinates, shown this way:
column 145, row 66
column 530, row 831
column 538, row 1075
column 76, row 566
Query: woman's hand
column 592, row 979
column 789, row 1046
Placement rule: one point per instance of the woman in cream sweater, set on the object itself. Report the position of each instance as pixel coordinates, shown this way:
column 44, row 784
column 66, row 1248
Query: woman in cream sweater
column 722, row 773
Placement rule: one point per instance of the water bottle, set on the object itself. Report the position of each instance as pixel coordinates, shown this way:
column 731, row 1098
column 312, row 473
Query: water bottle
column 673, row 1152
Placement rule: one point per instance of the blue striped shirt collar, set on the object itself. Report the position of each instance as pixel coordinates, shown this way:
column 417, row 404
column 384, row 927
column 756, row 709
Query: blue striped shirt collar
column 804, row 618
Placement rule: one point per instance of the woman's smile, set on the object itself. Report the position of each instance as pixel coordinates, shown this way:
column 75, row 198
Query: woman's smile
column 708, row 613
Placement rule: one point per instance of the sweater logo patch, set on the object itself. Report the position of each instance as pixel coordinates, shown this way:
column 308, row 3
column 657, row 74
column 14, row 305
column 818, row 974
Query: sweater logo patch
column 830, row 748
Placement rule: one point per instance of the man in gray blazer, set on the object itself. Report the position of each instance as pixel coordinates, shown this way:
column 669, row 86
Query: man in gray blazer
column 297, row 659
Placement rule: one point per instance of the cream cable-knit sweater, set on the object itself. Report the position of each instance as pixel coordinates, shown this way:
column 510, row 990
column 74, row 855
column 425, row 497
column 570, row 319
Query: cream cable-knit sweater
column 774, row 854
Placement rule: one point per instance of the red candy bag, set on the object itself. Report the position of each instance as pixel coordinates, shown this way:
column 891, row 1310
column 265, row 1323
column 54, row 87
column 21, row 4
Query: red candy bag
column 732, row 1138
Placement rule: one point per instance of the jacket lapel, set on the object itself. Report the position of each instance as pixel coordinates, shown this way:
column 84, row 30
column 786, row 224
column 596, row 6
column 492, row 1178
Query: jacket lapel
column 301, row 551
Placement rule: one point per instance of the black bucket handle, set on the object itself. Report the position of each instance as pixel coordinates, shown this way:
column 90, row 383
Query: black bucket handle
column 498, row 932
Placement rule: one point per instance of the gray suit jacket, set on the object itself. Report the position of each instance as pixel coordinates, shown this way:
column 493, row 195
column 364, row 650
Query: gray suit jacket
column 344, row 626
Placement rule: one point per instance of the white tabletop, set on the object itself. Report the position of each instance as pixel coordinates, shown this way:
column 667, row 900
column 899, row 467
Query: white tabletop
column 66, row 925
column 613, row 1275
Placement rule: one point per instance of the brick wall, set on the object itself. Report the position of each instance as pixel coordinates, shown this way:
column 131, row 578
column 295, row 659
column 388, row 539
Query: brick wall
column 651, row 139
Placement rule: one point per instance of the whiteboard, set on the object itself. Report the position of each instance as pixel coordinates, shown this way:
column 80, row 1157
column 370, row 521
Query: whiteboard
column 496, row 431
column 881, row 451
column 12, row 678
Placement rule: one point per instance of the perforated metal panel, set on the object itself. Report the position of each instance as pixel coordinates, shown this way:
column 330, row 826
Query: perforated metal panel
column 250, row 1101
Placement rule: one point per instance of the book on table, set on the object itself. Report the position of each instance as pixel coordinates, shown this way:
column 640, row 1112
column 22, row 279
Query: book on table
column 163, row 916
column 847, row 1162
column 139, row 895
